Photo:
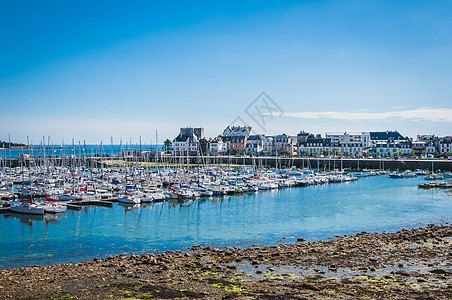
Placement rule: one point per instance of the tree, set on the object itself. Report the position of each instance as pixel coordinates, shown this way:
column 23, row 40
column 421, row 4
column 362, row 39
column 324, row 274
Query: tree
column 378, row 153
column 412, row 154
column 367, row 153
column 308, row 153
column 400, row 153
column 298, row 152
column 311, row 136
column 317, row 153
column 235, row 152
column 347, row 153
column 424, row 152
column 285, row 152
column 448, row 153
column 389, row 153
column 269, row 153
column 327, row 152
column 167, row 146
column 436, row 153
column 337, row 152
column 357, row 152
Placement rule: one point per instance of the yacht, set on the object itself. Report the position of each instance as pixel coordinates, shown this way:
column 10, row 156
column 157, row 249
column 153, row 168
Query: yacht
column 28, row 208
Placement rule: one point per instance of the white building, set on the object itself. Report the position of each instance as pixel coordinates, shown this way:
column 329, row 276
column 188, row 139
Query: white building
column 187, row 142
column 362, row 137
column 218, row 147
column 353, row 148
column 445, row 146
column 268, row 145
column 385, row 149
column 255, row 143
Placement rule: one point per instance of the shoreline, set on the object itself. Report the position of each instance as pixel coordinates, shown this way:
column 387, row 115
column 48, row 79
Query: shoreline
column 409, row 264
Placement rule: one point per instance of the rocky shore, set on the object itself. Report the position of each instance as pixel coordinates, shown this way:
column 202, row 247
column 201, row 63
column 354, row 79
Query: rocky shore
column 409, row 264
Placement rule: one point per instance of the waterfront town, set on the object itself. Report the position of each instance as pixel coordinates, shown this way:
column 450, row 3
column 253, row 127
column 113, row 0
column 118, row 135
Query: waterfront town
column 219, row 150
column 240, row 140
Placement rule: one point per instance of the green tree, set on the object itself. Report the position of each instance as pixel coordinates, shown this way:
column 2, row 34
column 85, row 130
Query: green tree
column 448, row 154
column 378, row 153
column 347, row 153
column 367, row 153
column 285, row 152
column 308, row 153
column 167, row 146
column 269, row 153
column 235, row 152
column 311, row 136
column 298, row 152
column 327, row 152
column 436, row 153
column 424, row 152
column 412, row 154
column 317, row 153
column 337, row 152
column 400, row 153
column 357, row 153
column 389, row 153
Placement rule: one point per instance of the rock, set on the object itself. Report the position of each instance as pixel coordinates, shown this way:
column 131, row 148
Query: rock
column 403, row 273
column 440, row 272
column 308, row 286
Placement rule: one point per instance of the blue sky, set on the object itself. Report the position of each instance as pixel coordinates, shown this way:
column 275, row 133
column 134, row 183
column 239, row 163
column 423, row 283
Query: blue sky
column 91, row 70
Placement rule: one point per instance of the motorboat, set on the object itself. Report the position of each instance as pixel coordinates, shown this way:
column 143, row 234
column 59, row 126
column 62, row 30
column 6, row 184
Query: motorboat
column 28, row 208
column 395, row 175
column 51, row 207
column 129, row 198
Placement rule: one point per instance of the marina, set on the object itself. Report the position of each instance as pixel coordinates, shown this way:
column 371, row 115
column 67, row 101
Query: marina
column 142, row 210
column 226, row 150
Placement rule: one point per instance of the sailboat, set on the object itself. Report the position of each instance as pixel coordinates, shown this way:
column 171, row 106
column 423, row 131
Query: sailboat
column 433, row 176
column 28, row 207
column 129, row 198
column 53, row 206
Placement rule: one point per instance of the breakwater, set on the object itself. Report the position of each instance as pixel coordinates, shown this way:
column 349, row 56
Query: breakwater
column 280, row 162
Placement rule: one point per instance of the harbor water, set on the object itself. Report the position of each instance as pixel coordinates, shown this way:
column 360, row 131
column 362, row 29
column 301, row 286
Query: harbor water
column 267, row 217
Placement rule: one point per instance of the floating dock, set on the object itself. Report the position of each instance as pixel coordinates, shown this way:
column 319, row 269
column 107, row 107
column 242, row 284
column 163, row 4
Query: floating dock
column 106, row 202
column 72, row 206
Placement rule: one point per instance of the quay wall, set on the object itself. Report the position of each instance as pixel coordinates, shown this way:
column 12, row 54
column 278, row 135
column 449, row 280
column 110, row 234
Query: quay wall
column 320, row 163
column 345, row 163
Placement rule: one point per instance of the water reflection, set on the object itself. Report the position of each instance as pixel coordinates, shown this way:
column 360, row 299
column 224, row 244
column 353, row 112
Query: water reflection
column 29, row 219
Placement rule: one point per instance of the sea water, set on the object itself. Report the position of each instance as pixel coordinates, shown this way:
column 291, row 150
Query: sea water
column 372, row 204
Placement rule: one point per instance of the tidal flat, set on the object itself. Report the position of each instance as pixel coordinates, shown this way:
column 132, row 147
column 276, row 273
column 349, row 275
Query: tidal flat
column 407, row 264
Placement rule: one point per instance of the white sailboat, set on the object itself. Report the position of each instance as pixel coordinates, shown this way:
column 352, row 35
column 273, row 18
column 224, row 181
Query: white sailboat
column 28, row 208
column 129, row 198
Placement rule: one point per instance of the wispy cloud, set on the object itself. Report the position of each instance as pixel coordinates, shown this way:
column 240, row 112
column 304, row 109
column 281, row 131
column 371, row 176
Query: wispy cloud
column 419, row 114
